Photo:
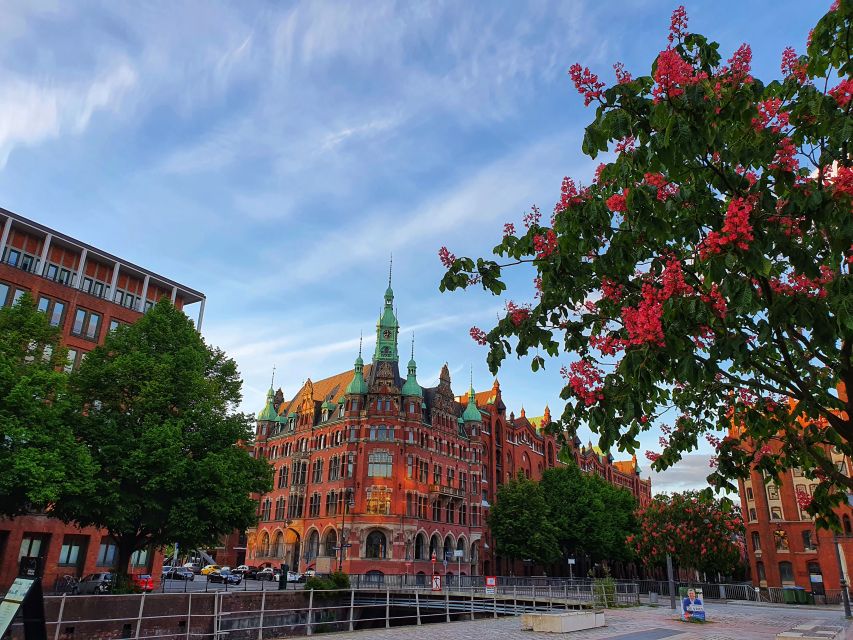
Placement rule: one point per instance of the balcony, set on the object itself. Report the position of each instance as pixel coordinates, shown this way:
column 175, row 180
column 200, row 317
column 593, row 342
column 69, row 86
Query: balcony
column 440, row 489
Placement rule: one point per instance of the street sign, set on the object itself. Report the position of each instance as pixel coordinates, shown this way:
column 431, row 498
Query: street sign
column 436, row 583
column 25, row 594
column 458, row 553
column 491, row 585
column 571, row 560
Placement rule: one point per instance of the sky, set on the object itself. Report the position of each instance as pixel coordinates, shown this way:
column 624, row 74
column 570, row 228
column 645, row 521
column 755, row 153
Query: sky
column 273, row 155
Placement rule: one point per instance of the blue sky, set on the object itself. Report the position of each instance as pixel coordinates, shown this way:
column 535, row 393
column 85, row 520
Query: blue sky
column 273, row 155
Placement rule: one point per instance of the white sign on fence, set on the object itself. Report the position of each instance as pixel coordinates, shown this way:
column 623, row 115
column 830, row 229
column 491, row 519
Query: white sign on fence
column 436, row 583
column 491, row 584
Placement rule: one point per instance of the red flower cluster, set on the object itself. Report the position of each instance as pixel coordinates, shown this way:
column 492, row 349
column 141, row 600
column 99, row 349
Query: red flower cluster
column 717, row 301
column 737, row 230
column 532, row 217
column 607, row 345
column 570, row 195
column 517, row 314
column 791, row 65
column 770, row 116
column 739, row 66
column 666, row 190
column 509, row 229
column 610, row 290
column 585, row 380
column 545, row 245
column 672, row 281
column 804, row 500
column 785, row 159
column 597, row 177
column 644, row 323
column 673, row 73
column 678, row 24
column 447, row 258
column 798, row 284
column 714, row 441
column 617, row 202
column 842, row 181
column 622, row 76
column 843, row 93
column 651, row 456
column 537, row 284
column 586, row 83
column 479, row 336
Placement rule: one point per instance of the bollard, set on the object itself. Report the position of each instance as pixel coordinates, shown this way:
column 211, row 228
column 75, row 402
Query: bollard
column 189, row 614
column 447, row 607
column 472, row 604
column 308, row 630
column 387, row 608
column 417, row 608
column 261, row 623
column 351, row 608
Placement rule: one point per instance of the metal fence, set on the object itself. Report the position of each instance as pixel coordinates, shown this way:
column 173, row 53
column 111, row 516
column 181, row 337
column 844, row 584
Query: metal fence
column 739, row 591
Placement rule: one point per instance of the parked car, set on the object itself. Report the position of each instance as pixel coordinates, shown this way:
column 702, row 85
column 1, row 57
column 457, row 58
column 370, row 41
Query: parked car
column 225, row 576
column 178, row 573
column 143, row 581
column 247, row 571
column 267, row 573
column 195, row 567
column 95, row 583
column 294, row 576
column 210, row 569
column 310, row 573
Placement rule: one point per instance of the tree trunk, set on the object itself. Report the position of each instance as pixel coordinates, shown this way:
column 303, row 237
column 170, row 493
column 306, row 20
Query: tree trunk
column 126, row 547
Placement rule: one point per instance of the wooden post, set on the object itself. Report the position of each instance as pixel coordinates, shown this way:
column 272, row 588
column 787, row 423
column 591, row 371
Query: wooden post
column 139, row 616
column 351, row 608
column 261, row 623
column 417, row 608
column 447, row 607
column 387, row 608
column 59, row 618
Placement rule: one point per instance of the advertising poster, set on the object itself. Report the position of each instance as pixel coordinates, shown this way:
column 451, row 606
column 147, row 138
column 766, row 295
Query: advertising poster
column 692, row 604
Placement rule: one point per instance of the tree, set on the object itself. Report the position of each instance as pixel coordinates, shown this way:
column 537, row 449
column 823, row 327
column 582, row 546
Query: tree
column 706, row 269
column 520, row 524
column 39, row 455
column 700, row 533
column 159, row 421
column 591, row 516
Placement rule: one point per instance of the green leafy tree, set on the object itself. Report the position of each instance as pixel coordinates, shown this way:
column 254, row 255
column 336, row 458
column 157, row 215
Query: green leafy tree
column 40, row 458
column 700, row 533
column 160, row 422
column 591, row 516
column 520, row 524
column 706, row 269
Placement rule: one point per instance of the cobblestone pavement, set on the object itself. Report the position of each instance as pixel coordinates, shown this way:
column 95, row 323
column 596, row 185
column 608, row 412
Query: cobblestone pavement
column 725, row 622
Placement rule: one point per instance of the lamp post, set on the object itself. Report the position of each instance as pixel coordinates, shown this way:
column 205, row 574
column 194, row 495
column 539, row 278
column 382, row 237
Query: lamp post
column 842, row 581
column 348, row 504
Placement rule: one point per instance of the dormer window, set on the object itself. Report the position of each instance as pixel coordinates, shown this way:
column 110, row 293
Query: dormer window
column 325, row 415
column 341, row 412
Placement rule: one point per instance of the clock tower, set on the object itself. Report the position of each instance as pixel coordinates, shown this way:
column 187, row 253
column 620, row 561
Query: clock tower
column 387, row 329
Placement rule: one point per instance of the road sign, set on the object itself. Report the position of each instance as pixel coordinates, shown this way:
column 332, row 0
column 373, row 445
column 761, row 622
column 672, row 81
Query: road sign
column 571, row 561
column 436, row 583
column 458, row 553
column 491, row 585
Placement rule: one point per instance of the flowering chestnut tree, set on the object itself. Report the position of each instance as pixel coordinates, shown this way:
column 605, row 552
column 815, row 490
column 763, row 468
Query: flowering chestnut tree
column 705, row 271
column 699, row 533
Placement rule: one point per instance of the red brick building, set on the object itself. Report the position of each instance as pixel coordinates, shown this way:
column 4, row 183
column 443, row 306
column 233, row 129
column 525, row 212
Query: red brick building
column 417, row 466
column 783, row 545
column 86, row 292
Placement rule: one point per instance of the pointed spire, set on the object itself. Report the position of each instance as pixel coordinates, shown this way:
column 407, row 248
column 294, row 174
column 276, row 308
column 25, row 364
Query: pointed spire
column 390, row 267
column 471, row 413
column 357, row 385
column 272, row 381
column 411, row 386
column 522, row 414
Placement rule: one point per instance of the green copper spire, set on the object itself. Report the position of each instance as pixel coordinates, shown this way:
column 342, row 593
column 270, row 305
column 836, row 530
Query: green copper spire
column 387, row 328
column 411, row 386
column 357, row 385
column 268, row 413
column 471, row 413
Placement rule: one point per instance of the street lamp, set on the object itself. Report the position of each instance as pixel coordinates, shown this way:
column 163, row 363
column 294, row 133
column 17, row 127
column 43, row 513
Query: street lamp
column 349, row 503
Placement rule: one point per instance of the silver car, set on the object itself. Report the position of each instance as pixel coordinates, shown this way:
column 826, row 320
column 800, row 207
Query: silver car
column 95, row 583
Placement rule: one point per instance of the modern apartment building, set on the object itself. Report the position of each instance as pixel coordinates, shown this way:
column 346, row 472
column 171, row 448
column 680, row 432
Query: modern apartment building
column 86, row 292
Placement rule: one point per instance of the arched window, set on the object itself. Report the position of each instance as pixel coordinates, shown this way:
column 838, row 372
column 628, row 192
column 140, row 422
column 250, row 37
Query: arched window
column 376, row 545
column 330, row 543
column 460, row 546
column 759, row 569
column 264, row 548
column 420, row 543
column 313, row 549
column 277, row 550
column 815, row 578
column 756, row 541
column 435, row 546
column 449, row 547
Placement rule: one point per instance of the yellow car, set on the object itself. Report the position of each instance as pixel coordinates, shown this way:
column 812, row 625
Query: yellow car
column 210, row 569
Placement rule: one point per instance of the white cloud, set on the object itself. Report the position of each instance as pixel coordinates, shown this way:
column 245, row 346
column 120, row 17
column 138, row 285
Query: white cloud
column 33, row 112
column 689, row 473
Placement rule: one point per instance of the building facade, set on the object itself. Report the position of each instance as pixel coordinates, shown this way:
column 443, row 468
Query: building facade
column 85, row 292
column 376, row 474
column 784, row 547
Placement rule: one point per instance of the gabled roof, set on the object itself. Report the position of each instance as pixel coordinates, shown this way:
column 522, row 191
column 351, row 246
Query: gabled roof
column 331, row 388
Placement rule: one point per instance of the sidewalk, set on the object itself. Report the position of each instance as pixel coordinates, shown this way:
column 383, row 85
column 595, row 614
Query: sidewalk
column 726, row 622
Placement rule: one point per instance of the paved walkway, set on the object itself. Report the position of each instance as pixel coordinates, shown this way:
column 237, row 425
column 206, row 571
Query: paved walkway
column 725, row 622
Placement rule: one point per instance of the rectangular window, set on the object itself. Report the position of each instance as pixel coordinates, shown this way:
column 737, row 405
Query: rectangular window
column 87, row 284
column 118, row 298
column 4, row 294
column 107, row 553
column 436, row 511
column 436, row 474
column 410, row 466
column 350, row 465
column 772, row 491
column 749, row 495
column 52, row 271
column 19, row 293
column 114, row 325
column 13, row 257
column 79, row 319
column 64, row 276
column 72, row 552
column 139, row 558
column 72, row 360
column 43, row 304
column 98, row 289
column 86, row 324
column 27, row 262
column 781, row 539
column 33, row 546
column 753, row 515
